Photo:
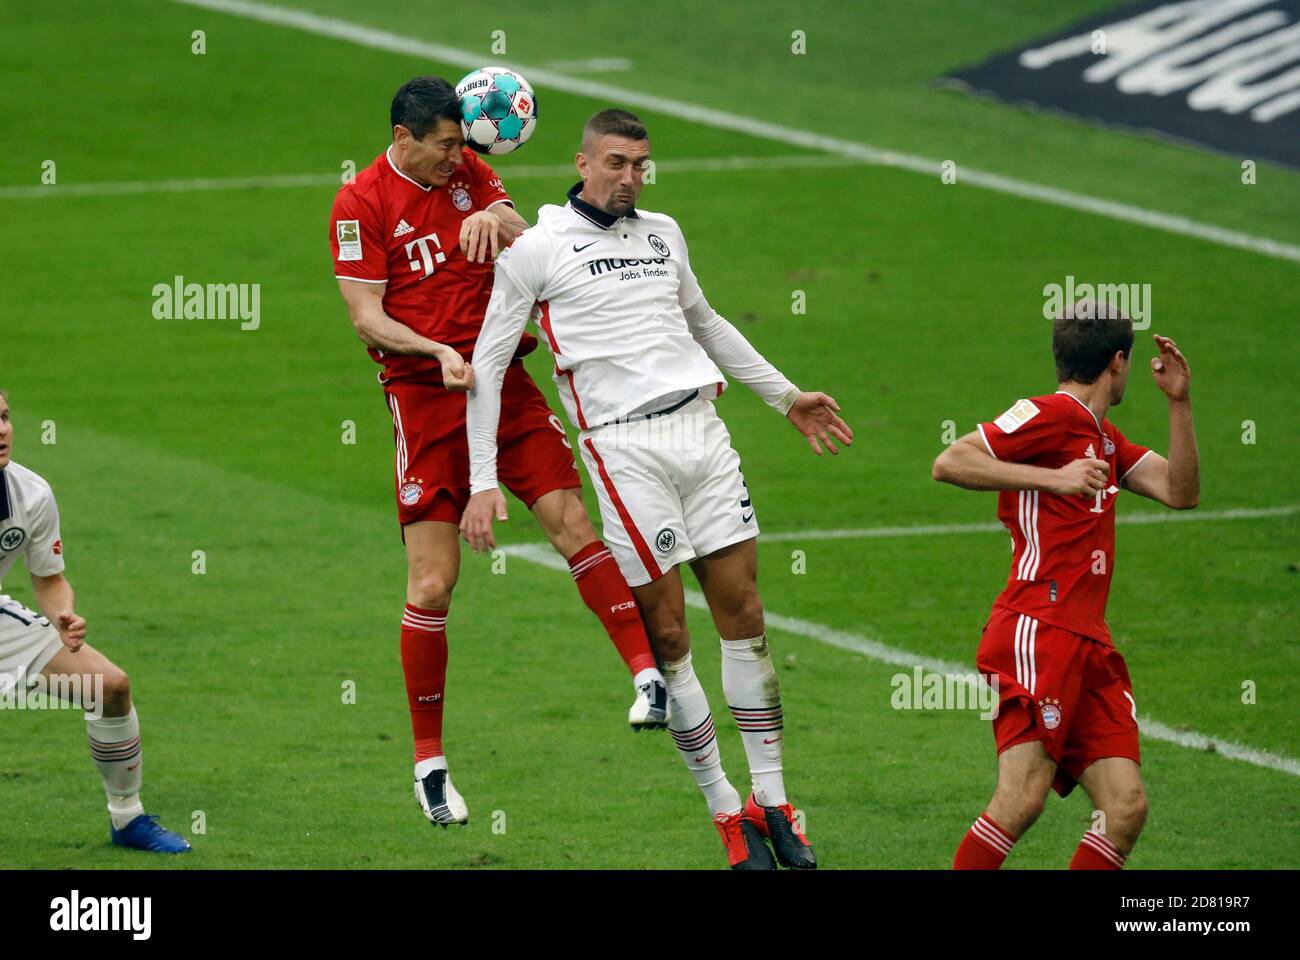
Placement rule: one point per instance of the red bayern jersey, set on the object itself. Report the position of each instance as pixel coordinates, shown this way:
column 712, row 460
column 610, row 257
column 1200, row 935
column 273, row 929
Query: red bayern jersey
column 388, row 228
column 1062, row 548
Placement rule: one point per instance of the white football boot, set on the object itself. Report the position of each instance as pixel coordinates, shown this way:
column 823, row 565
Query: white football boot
column 651, row 709
column 441, row 802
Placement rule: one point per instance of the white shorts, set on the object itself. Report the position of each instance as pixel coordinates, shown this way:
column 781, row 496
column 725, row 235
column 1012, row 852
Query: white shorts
column 670, row 489
column 27, row 643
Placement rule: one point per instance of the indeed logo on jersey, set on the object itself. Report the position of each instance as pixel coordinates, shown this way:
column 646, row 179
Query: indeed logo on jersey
column 597, row 267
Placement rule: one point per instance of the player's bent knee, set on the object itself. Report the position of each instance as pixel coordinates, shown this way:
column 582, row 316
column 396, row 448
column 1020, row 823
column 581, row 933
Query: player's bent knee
column 1030, row 803
column 1019, row 802
column 1018, row 814
column 1127, row 816
column 669, row 644
column 575, row 516
column 117, row 691
column 431, row 592
column 740, row 614
column 749, row 617
column 577, row 531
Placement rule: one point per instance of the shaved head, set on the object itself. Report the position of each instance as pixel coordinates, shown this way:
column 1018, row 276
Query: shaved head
column 618, row 123
column 613, row 161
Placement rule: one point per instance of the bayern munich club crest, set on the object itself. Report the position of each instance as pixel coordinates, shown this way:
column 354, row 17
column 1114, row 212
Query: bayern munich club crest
column 460, row 197
column 1051, row 710
column 12, row 539
column 410, row 492
column 658, row 246
column 665, row 540
column 1108, row 445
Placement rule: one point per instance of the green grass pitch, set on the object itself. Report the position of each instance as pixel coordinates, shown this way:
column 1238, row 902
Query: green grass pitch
column 923, row 302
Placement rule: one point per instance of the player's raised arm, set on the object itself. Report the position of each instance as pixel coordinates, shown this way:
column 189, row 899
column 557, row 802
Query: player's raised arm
column 507, row 315
column 1175, row 482
column 813, row 414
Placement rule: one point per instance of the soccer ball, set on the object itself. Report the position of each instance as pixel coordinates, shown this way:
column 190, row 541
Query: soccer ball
column 498, row 110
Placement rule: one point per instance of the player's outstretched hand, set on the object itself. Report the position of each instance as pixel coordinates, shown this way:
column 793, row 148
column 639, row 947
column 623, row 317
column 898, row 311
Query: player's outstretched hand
column 1170, row 370
column 457, row 374
column 479, row 235
column 816, row 416
column 72, row 631
column 476, row 521
column 1083, row 477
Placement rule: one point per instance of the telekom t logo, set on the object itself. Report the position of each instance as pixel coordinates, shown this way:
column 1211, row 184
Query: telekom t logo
column 428, row 257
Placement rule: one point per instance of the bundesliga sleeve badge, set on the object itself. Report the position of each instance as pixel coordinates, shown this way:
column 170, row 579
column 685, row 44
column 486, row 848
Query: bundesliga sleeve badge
column 1017, row 416
column 349, row 234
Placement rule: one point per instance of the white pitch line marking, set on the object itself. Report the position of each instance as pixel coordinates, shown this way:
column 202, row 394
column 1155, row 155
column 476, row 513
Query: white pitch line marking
column 751, row 126
column 543, row 555
column 297, row 180
column 592, row 65
column 930, row 530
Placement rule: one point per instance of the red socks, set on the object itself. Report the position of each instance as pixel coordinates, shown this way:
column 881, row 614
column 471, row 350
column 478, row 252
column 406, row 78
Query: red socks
column 1096, row 852
column 604, row 590
column 424, row 662
column 424, row 641
column 984, row 847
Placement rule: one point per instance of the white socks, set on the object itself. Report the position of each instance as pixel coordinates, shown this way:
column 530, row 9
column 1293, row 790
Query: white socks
column 692, row 730
column 754, row 696
column 115, row 748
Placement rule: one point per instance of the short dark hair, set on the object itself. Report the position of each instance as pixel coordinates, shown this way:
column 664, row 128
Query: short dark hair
column 1086, row 335
column 619, row 123
column 422, row 102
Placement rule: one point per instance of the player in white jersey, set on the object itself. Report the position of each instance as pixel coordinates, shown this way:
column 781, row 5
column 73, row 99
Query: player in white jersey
column 637, row 355
column 47, row 652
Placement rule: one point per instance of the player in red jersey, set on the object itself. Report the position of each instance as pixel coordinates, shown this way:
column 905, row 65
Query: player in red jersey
column 413, row 238
column 1066, row 713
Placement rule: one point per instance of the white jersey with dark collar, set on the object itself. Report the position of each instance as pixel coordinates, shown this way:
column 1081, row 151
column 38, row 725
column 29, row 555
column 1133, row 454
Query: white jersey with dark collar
column 619, row 306
column 610, row 295
column 29, row 523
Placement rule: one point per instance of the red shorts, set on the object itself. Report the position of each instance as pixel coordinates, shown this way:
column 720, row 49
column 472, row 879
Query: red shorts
column 1066, row 690
column 432, row 449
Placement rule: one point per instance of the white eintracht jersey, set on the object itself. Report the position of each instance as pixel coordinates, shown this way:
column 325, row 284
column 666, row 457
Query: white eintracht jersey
column 622, row 313
column 29, row 523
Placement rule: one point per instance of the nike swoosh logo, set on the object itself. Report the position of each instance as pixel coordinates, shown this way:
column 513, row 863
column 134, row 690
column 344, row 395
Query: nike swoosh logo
column 773, row 740
column 748, row 518
column 578, row 249
column 703, row 758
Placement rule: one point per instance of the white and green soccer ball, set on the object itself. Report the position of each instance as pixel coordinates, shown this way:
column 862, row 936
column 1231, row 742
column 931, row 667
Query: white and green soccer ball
column 498, row 110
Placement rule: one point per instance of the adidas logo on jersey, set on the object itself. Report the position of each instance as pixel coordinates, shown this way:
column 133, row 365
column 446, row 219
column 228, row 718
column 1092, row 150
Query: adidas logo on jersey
column 403, row 229
column 1090, row 453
